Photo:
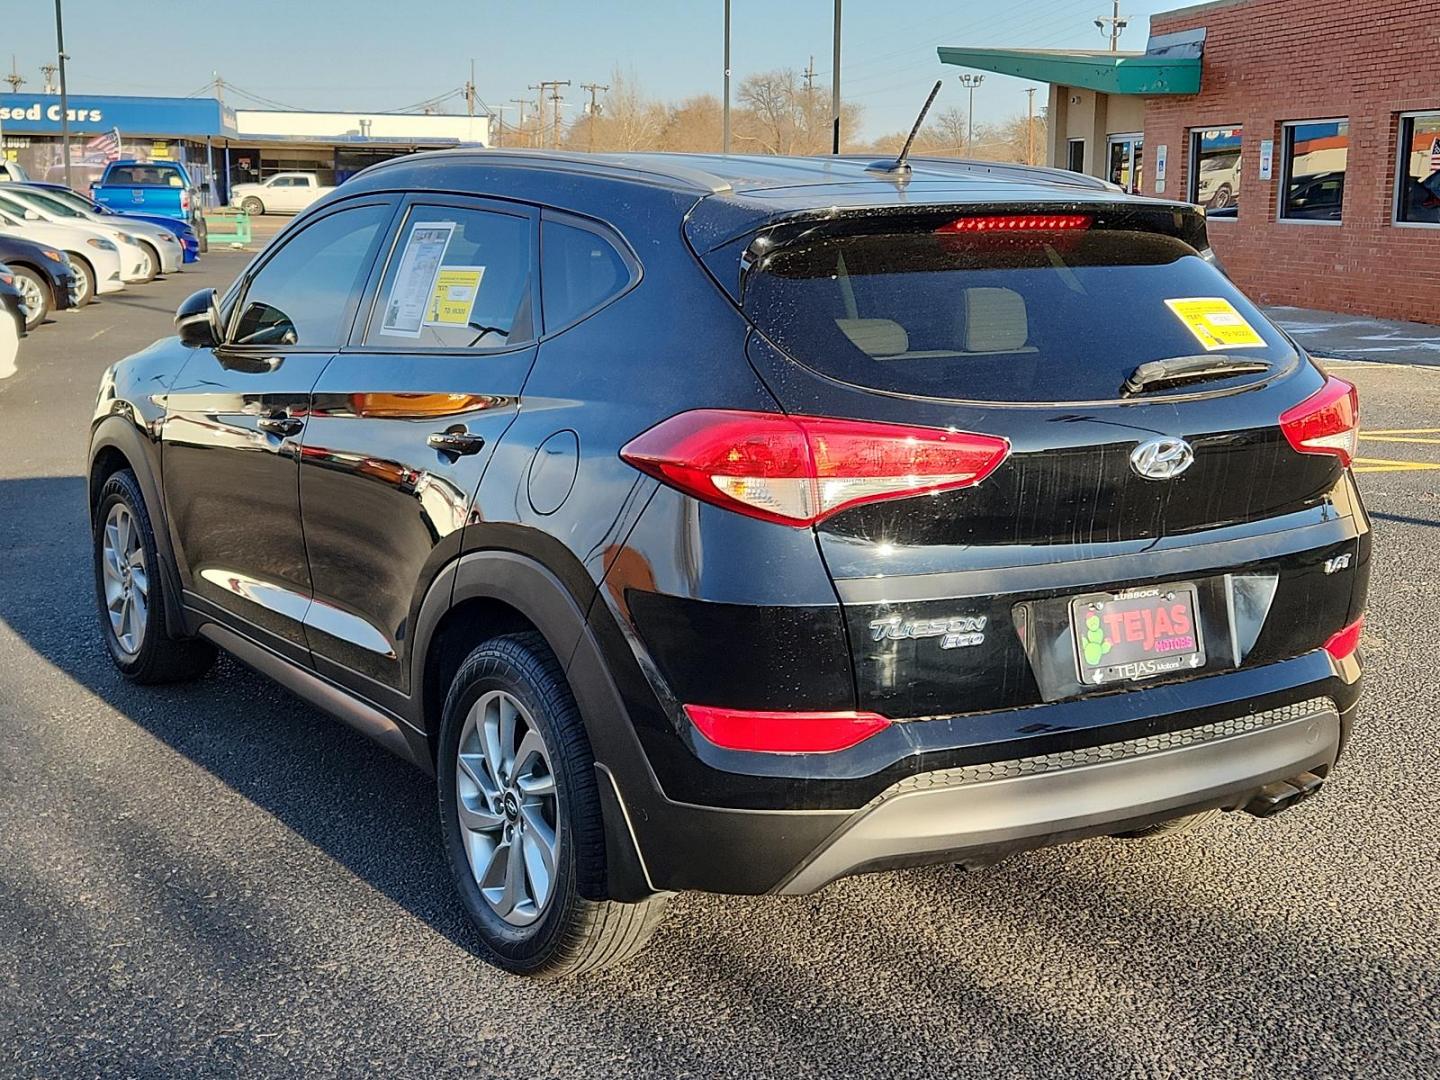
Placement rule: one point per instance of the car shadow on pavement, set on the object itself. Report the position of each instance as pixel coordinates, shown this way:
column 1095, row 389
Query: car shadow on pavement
column 313, row 773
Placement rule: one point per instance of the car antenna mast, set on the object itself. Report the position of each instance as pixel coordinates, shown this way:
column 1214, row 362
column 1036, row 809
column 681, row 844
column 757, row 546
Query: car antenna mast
column 900, row 167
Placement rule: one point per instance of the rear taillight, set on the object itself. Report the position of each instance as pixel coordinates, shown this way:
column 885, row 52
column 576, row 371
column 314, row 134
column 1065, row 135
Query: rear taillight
column 184, row 200
column 1327, row 422
column 774, row 732
column 797, row 470
column 1343, row 643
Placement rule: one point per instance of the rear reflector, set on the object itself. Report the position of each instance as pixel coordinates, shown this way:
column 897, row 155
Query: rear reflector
column 992, row 223
column 1327, row 422
column 1345, row 642
column 797, row 470
column 774, row 732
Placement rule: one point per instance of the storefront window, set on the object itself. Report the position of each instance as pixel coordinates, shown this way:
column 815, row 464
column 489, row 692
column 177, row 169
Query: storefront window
column 1075, row 155
column 1314, row 160
column 1419, row 201
column 1127, row 154
column 1215, row 170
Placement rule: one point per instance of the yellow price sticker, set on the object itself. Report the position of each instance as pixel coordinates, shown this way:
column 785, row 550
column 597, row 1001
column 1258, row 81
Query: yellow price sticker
column 1215, row 323
column 456, row 288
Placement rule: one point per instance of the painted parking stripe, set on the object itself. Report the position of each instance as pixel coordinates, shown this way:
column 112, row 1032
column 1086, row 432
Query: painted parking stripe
column 1369, row 464
column 1400, row 439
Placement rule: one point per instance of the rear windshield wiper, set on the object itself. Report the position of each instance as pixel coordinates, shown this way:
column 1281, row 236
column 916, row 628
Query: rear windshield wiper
column 1187, row 369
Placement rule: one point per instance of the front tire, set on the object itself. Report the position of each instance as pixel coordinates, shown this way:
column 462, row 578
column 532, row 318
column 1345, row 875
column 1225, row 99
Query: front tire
column 36, row 293
column 130, row 591
column 85, row 287
column 520, row 817
column 252, row 206
column 155, row 265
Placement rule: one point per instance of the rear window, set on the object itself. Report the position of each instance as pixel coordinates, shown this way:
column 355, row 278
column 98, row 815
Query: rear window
column 144, row 176
column 1066, row 312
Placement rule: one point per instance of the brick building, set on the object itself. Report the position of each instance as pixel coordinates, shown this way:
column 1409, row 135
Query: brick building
column 1310, row 132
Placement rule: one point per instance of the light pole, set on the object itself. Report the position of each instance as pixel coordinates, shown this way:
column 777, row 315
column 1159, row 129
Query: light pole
column 835, row 84
column 725, row 138
column 970, row 82
column 64, row 97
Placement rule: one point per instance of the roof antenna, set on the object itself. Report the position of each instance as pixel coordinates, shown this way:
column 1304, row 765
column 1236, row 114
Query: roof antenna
column 900, row 167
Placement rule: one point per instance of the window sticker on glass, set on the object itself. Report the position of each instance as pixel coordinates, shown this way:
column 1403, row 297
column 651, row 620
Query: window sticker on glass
column 414, row 284
column 1215, row 323
column 456, row 288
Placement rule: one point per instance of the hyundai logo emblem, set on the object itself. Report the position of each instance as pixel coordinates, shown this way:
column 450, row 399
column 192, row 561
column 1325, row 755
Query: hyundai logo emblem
column 1161, row 459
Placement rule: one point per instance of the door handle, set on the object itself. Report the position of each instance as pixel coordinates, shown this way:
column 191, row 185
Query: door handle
column 455, row 440
column 281, row 425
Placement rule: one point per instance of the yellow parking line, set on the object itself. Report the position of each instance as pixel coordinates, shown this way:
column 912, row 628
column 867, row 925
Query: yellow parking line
column 1402, row 431
column 1399, row 439
column 1369, row 464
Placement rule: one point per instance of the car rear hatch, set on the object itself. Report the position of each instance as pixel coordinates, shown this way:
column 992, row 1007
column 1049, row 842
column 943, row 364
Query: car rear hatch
column 1148, row 519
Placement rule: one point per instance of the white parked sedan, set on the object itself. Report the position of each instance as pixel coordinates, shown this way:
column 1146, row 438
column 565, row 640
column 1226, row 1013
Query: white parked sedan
column 135, row 262
column 96, row 258
column 158, row 243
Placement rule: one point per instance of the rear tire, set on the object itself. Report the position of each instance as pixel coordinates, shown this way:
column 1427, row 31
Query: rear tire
column 542, row 808
column 202, row 237
column 37, row 296
column 1173, row 827
column 130, row 591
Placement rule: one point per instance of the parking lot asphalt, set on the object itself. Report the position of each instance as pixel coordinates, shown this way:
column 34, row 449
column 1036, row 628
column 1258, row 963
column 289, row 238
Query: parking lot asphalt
column 216, row 880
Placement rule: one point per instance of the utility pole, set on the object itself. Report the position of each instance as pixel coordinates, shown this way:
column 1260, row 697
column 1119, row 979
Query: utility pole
column 810, row 76
column 219, row 85
column 725, row 137
column 593, row 88
column 1117, row 24
column 64, row 97
column 971, row 83
column 470, row 92
column 519, row 104
column 1030, row 127
column 553, row 85
column 48, row 70
column 835, row 84
column 15, row 79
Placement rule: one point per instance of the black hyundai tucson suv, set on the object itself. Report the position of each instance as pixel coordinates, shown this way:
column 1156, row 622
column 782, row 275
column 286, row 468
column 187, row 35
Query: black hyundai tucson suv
column 738, row 524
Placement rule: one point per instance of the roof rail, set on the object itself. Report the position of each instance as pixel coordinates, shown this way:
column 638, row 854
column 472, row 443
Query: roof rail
column 606, row 164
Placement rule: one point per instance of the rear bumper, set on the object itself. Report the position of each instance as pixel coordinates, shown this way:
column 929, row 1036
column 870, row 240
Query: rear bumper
column 979, row 811
column 985, row 811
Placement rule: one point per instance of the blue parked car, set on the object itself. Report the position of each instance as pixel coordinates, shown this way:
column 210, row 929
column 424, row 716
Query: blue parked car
column 189, row 241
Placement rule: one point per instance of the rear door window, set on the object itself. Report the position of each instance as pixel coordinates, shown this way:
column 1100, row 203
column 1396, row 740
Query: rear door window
column 457, row 278
column 579, row 271
column 1005, row 314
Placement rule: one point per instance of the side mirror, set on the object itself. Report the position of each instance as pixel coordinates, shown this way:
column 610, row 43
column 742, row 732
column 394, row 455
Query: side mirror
column 32, row 215
column 197, row 320
column 205, row 186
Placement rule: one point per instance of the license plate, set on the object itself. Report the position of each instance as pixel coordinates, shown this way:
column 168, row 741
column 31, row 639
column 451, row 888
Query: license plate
column 1136, row 634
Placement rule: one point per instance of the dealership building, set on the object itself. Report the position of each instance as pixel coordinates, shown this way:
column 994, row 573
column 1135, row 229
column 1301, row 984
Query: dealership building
column 219, row 145
column 1311, row 134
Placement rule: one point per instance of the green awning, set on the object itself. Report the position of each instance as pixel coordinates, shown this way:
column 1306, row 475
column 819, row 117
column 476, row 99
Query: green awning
column 1106, row 72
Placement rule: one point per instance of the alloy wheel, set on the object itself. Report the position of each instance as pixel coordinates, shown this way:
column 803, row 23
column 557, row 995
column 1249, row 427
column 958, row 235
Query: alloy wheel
column 32, row 293
column 126, row 580
column 82, row 286
column 508, row 808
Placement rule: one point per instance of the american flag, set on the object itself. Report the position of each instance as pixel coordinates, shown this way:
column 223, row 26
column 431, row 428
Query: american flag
column 105, row 147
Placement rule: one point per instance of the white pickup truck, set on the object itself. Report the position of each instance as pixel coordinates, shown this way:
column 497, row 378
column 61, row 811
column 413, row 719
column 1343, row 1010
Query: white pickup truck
column 283, row 193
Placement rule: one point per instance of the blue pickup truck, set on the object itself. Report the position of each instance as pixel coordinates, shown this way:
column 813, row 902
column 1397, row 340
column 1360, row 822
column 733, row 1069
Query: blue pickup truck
column 159, row 188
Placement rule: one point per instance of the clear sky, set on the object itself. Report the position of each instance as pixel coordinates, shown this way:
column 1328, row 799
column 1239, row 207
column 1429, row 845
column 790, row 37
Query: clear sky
column 390, row 54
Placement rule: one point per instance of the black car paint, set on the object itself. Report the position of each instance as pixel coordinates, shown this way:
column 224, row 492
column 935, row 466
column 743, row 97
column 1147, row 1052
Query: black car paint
column 59, row 277
column 650, row 598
